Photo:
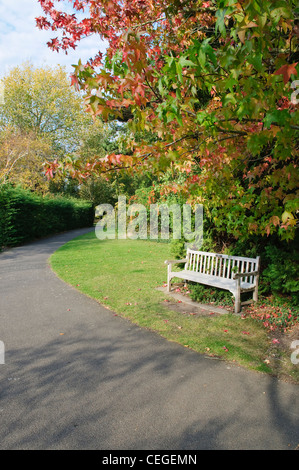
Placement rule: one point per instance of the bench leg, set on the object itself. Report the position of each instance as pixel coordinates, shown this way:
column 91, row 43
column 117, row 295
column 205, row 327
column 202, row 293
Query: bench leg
column 238, row 297
column 169, row 279
column 237, row 304
column 255, row 292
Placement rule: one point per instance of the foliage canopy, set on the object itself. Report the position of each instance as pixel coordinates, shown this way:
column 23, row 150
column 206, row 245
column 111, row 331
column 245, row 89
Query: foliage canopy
column 212, row 82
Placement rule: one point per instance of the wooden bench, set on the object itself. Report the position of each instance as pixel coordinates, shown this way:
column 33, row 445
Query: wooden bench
column 233, row 273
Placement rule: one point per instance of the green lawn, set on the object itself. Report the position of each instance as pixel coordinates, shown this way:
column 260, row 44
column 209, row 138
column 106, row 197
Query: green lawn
column 123, row 275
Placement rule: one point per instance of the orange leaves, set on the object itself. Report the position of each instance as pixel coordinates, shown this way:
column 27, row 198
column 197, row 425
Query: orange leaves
column 51, row 169
column 126, row 102
column 286, row 221
column 105, row 79
column 118, row 160
column 286, row 71
column 275, row 220
column 134, row 86
column 82, row 170
column 243, row 30
column 74, row 81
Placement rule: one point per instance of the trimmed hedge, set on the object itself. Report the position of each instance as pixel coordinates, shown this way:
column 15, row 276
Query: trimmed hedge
column 26, row 216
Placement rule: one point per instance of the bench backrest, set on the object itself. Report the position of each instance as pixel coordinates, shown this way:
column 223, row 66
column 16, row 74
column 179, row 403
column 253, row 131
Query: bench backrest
column 223, row 266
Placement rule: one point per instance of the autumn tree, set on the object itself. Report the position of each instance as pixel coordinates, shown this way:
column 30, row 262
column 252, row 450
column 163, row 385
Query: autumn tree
column 22, row 156
column 40, row 101
column 42, row 118
column 213, row 82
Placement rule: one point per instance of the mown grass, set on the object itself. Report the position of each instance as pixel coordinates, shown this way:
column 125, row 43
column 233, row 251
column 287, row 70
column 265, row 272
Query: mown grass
column 123, row 275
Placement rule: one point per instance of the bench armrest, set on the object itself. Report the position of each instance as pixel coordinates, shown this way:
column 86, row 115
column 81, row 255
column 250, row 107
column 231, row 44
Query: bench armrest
column 176, row 261
column 253, row 273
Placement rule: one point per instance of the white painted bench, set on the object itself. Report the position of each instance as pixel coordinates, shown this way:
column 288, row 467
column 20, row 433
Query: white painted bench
column 233, row 273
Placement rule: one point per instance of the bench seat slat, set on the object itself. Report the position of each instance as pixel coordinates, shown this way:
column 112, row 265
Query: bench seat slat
column 222, row 283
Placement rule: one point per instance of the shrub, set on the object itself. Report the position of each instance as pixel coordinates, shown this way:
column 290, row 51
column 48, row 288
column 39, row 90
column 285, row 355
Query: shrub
column 99, row 191
column 205, row 294
column 25, row 216
column 282, row 271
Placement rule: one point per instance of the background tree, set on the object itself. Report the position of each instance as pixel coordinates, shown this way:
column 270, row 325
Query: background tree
column 43, row 118
column 41, row 102
column 21, row 159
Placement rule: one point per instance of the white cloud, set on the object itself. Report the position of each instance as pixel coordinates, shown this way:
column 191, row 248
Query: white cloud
column 21, row 40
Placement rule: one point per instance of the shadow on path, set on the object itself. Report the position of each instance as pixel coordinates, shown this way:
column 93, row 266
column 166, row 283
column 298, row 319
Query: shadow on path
column 78, row 377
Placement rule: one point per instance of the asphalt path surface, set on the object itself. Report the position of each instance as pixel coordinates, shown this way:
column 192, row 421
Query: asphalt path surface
column 78, row 377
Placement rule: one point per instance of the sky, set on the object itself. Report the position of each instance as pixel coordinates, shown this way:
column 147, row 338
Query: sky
column 21, row 40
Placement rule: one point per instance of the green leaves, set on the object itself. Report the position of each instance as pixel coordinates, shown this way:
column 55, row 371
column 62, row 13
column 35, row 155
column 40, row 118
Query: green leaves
column 184, row 62
column 222, row 15
column 256, row 61
column 202, row 54
column 278, row 117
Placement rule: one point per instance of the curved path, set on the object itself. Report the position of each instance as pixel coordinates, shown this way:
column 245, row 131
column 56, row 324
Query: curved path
column 78, row 377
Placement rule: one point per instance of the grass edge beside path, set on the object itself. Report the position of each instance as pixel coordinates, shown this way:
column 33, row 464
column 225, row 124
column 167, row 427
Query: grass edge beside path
column 122, row 275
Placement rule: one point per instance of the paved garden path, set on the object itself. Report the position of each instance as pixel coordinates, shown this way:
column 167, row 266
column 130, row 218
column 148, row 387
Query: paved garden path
column 78, row 377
